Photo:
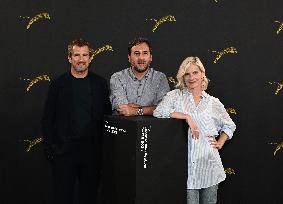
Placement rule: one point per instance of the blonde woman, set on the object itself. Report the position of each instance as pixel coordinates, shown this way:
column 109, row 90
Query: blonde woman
column 209, row 127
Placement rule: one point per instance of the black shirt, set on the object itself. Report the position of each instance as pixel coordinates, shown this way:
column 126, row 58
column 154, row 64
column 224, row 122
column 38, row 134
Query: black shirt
column 82, row 106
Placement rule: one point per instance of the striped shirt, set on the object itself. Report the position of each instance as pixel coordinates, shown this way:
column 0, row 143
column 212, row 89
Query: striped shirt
column 126, row 88
column 205, row 168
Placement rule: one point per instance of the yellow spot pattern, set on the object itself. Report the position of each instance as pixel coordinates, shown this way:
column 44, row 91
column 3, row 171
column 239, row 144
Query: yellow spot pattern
column 278, row 147
column 225, row 51
column 172, row 80
column 280, row 27
column 32, row 143
column 278, row 88
column 36, row 18
column 102, row 49
column 36, row 80
column 169, row 18
column 229, row 171
column 231, row 111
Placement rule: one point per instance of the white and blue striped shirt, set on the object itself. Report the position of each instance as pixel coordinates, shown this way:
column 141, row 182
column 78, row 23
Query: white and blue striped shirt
column 205, row 168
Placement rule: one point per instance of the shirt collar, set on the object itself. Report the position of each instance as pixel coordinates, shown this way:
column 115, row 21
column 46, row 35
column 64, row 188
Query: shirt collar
column 72, row 76
column 203, row 93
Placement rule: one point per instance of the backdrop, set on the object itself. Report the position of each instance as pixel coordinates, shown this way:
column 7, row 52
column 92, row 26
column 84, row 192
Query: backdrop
column 239, row 42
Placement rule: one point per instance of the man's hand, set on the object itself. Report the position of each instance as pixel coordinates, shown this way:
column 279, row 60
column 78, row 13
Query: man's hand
column 130, row 109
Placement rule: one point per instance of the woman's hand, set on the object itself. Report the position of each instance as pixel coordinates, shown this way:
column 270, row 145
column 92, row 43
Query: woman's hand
column 218, row 144
column 214, row 143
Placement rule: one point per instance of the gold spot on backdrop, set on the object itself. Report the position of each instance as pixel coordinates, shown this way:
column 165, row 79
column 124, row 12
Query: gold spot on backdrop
column 278, row 147
column 169, row 18
column 172, row 80
column 102, row 49
column 229, row 171
column 278, row 88
column 231, row 111
column 32, row 143
column 280, row 27
column 36, row 80
column 223, row 52
column 36, row 18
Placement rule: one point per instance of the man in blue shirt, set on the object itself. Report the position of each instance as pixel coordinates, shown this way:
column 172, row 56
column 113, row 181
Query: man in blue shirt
column 138, row 89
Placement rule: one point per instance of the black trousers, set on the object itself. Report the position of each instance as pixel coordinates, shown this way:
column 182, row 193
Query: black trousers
column 76, row 166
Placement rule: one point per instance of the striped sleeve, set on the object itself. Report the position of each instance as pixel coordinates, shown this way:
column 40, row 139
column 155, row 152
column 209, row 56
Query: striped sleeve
column 224, row 122
column 167, row 105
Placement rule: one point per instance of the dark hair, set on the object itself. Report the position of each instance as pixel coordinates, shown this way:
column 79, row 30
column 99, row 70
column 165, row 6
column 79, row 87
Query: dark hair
column 80, row 43
column 138, row 41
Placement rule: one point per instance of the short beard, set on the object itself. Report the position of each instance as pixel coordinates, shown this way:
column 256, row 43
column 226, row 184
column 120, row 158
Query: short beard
column 80, row 69
column 141, row 70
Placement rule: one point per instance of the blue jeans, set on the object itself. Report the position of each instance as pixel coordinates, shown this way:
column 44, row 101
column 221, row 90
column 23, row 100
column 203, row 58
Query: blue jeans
column 202, row 196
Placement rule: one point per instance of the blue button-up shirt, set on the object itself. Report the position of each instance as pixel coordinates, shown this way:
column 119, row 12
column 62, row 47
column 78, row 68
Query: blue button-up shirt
column 126, row 88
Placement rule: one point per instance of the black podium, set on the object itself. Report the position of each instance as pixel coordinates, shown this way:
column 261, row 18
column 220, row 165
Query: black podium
column 145, row 161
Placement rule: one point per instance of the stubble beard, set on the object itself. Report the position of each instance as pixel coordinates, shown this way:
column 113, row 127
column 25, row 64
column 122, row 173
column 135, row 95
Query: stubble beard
column 80, row 68
column 141, row 69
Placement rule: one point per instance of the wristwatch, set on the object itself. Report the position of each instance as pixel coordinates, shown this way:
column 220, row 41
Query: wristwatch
column 140, row 111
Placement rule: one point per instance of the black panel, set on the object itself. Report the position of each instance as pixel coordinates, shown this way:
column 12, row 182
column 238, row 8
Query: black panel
column 147, row 163
column 240, row 81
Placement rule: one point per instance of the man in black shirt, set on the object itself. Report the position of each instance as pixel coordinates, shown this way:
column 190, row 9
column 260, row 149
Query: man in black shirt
column 72, row 126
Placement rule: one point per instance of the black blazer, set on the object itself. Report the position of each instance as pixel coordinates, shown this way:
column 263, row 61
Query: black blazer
column 58, row 115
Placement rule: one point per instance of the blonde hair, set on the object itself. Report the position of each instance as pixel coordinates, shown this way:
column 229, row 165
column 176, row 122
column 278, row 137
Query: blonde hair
column 184, row 67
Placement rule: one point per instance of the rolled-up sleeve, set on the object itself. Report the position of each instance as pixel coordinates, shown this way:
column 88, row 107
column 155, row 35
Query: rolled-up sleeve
column 163, row 88
column 118, row 94
column 224, row 122
column 167, row 105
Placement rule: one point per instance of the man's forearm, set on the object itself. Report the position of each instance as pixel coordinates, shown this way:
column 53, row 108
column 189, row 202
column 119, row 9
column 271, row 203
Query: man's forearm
column 148, row 110
column 134, row 109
